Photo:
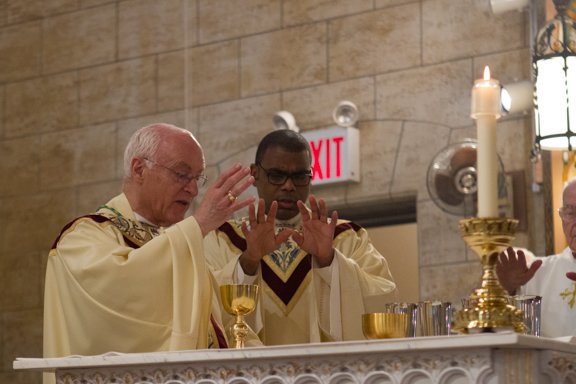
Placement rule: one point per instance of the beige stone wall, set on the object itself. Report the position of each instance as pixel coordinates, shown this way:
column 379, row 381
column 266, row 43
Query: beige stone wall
column 77, row 77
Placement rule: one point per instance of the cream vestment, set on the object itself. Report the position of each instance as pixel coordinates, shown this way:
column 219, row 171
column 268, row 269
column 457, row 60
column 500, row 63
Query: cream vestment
column 113, row 284
column 301, row 303
column 558, row 307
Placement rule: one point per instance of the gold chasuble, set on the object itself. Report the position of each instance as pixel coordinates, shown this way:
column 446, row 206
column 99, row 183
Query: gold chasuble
column 301, row 303
column 115, row 284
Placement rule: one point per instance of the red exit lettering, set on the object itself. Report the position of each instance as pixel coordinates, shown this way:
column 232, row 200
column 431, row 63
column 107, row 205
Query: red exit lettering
column 322, row 153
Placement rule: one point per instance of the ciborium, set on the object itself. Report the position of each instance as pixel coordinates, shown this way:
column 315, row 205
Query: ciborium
column 239, row 300
column 489, row 311
column 381, row 325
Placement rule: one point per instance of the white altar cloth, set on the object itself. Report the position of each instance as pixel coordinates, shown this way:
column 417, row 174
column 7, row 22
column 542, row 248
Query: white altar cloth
column 482, row 358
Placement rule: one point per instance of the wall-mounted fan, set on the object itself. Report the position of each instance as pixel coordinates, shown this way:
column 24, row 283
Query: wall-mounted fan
column 452, row 180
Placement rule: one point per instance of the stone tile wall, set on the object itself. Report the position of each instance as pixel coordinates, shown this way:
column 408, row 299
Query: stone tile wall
column 77, row 77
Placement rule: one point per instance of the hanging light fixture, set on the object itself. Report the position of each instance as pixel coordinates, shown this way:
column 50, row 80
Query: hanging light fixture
column 554, row 64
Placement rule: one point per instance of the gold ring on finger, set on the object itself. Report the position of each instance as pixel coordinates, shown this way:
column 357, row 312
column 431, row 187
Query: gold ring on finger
column 231, row 197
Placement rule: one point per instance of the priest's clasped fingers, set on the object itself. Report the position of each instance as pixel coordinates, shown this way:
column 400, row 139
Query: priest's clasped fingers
column 221, row 199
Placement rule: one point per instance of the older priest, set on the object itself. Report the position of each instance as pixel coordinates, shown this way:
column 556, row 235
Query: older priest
column 132, row 277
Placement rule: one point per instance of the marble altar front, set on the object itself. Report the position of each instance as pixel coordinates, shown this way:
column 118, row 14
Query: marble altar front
column 482, row 358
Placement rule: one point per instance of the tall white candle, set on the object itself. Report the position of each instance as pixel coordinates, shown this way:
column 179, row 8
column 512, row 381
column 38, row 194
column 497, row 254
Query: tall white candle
column 486, row 109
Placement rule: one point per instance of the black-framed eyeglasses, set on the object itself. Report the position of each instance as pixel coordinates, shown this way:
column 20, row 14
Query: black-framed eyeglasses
column 567, row 213
column 180, row 177
column 299, row 179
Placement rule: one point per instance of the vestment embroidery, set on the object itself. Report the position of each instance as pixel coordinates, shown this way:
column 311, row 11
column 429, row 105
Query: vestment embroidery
column 138, row 232
column 569, row 295
column 285, row 255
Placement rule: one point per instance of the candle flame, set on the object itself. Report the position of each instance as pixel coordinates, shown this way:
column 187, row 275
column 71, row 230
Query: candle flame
column 486, row 73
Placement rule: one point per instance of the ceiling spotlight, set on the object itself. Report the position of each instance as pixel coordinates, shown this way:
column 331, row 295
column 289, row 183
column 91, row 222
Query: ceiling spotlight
column 517, row 97
column 501, row 6
column 285, row 120
column 345, row 114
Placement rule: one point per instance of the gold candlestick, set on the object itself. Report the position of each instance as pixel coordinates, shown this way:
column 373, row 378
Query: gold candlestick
column 490, row 311
column 239, row 300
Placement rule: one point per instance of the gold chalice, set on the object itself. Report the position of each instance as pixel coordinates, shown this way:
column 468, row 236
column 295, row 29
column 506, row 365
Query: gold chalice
column 239, row 300
column 381, row 325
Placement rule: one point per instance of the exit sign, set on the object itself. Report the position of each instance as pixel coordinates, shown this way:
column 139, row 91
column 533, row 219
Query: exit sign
column 335, row 155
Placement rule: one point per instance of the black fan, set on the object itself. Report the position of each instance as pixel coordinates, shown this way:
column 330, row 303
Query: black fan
column 452, row 179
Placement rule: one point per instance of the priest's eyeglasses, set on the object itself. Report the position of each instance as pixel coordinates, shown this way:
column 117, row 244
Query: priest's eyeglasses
column 180, row 177
column 299, row 179
column 567, row 213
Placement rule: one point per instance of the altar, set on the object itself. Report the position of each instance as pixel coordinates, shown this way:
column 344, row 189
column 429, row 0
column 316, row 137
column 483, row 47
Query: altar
column 505, row 357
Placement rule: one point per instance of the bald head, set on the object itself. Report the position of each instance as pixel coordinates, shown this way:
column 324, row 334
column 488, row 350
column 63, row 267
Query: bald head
column 569, row 189
column 147, row 141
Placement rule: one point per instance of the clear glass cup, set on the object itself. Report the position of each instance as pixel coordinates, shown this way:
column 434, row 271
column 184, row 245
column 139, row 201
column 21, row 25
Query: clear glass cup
column 530, row 307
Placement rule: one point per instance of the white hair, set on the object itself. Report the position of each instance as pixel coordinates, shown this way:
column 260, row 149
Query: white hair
column 145, row 143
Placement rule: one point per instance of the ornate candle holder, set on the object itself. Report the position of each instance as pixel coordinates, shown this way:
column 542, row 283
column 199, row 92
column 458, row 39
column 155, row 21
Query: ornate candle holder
column 239, row 300
column 490, row 311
